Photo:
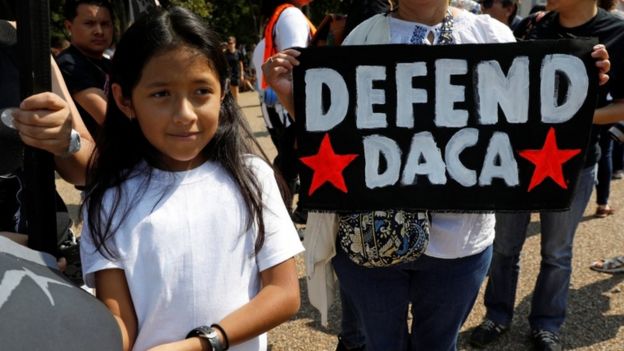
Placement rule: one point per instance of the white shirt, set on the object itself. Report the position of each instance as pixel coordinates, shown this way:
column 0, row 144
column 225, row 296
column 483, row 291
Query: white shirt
column 186, row 253
column 453, row 235
column 291, row 29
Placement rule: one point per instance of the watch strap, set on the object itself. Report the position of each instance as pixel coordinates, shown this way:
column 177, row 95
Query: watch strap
column 210, row 334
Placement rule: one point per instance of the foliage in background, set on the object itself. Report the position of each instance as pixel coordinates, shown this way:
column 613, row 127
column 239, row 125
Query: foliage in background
column 199, row 7
column 57, row 29
column 240, row 18
column 319, row 8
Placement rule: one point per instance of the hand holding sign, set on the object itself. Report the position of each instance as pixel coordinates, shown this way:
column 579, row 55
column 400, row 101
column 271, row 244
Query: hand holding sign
column 277, row 71
column 602, row 63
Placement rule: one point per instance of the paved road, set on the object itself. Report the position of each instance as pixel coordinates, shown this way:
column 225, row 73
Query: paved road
column 596, row 305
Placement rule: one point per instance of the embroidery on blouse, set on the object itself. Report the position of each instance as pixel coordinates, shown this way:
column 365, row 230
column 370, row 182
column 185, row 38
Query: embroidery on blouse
column 419, row 34
column 444, row 32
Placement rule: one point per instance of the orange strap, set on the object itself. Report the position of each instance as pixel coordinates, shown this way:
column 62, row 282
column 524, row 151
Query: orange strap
column 269, row 45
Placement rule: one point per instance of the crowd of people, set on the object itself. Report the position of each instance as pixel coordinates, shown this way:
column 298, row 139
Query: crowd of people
column 153, row 132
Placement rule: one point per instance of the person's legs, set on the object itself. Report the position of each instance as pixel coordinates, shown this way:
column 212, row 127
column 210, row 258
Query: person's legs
column 234, row 91
column 351, row 335
column 617, row 160
column 500, row 292
column 380, row 300
column 605, row 169
column 443, row 292
column 550, row 296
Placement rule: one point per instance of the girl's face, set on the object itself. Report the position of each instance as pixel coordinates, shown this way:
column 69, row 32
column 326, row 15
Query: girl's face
column 177, row 104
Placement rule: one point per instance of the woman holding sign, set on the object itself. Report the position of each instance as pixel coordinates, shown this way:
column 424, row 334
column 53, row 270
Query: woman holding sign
column 442, row 284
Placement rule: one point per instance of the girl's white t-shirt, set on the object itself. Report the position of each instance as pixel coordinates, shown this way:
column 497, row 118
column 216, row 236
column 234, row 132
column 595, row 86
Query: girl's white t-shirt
column 453, row 234
column 186, row 253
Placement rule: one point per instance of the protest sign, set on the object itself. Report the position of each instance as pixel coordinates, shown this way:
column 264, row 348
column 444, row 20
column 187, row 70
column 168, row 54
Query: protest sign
column 473, row 127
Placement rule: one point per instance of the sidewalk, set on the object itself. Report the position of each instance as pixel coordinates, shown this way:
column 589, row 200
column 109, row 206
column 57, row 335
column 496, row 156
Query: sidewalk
column 596, row 304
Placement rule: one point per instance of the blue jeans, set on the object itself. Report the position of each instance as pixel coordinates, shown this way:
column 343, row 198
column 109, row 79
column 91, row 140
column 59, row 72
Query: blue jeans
column 550, row 296
column 605, row 166
column 442, row 293
column 351, row 334
column 617, row 156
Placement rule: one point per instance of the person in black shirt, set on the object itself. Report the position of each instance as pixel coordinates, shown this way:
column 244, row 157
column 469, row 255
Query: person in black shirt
column 566, row 19
column 235, row 62
column 84, row 67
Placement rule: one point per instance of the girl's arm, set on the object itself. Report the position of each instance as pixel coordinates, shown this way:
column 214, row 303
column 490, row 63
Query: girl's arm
column 111, row 288
column 277, row 301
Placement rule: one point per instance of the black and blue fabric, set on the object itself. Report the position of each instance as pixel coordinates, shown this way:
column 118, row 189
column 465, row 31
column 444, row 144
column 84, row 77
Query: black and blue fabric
column 383, row 238
column 444, row 33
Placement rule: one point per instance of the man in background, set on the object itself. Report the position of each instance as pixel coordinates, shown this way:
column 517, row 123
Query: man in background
column 84, row 67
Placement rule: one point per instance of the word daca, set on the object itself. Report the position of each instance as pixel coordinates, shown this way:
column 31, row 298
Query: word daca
column 493, row 88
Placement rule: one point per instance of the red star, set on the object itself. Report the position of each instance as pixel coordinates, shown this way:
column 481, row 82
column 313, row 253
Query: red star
column 327, row 166
column 548, row 161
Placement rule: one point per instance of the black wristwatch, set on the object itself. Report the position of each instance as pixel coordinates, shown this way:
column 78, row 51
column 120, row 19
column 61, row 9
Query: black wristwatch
column 210, row 334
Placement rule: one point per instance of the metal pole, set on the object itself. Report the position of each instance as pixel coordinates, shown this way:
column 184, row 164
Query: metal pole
column 38, row 189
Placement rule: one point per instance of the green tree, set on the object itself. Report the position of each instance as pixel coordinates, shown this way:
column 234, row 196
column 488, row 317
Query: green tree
column 199, row 7
column 57, row 28
column 240, row 18
column 317, row 10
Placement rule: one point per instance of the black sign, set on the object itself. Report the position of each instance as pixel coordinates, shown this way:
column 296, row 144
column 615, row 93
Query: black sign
column 473, row 127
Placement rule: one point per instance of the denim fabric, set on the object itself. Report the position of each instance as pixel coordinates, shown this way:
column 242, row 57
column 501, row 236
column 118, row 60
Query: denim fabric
column 351, row 333
column 605, row 166
column 550, row 295
column 442, row 292
column 617, row 156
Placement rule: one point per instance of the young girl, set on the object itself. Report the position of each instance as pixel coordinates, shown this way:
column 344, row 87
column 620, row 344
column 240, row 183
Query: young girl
column 186, row 237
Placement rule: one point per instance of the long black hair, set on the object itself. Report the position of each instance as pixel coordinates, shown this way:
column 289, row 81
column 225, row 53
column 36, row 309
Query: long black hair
column 121, row 145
